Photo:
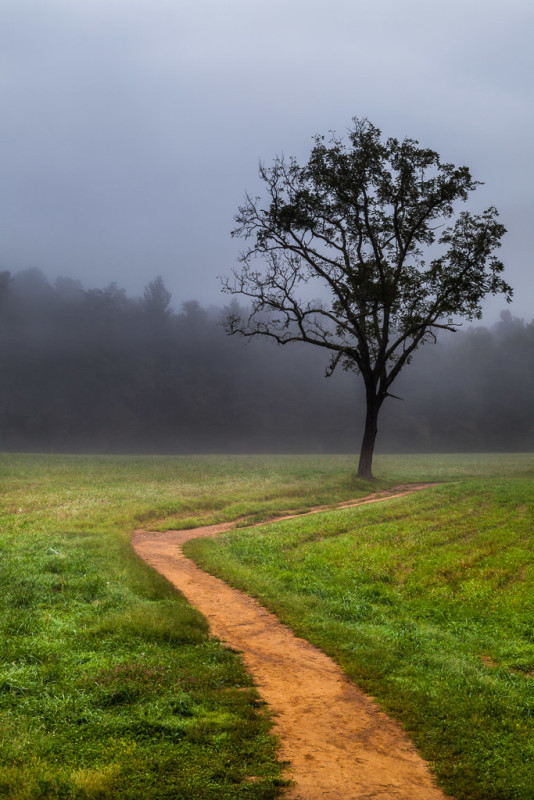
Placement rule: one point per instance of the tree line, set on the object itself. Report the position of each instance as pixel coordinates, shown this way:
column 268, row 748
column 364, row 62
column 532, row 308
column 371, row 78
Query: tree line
column 96, row 370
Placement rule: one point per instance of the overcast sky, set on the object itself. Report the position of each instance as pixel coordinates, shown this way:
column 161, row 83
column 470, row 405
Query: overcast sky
column 132, row 128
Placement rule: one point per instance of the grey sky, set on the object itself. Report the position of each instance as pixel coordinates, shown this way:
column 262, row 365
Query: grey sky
column 132, row 128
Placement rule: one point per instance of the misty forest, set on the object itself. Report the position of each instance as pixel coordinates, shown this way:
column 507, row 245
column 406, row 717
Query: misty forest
column 96, row 370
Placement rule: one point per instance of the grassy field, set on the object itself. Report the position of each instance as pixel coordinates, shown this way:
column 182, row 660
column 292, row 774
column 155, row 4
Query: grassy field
column 428, row 604
column 110, row 686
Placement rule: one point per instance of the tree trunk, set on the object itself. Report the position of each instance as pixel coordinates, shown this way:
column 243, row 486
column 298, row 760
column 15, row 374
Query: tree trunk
column 369, row 438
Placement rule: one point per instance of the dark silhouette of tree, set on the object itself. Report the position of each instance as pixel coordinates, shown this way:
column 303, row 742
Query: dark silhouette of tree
column 368, row 221
column 156, row 299
column 155, row 351
column 5, row 278
column 90, row 371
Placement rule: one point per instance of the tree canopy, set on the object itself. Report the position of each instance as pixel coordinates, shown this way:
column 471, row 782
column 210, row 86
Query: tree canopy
column 92, row 371
column 376, row 224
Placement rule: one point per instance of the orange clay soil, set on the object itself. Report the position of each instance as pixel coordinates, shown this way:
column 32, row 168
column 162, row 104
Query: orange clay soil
column 339, row 744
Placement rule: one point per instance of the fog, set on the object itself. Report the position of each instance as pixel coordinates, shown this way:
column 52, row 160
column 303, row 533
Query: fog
column 99, row 370
column 131, row 129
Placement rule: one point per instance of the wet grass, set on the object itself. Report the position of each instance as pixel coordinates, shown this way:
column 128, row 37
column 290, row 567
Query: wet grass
column 109, row 683
column 428, row 604
column 111, row 687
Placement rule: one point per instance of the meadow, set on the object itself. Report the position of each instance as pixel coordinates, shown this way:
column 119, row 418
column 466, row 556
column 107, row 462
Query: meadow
column 110, row 685
column 427, row 602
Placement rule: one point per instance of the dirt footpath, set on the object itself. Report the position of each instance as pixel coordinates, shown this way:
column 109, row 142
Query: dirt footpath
column 340, row 745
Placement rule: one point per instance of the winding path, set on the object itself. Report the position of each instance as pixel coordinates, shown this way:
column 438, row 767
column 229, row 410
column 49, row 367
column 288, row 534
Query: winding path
column 339, row 744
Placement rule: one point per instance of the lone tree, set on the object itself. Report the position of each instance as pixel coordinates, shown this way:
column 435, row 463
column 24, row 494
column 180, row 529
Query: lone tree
column 375, row 222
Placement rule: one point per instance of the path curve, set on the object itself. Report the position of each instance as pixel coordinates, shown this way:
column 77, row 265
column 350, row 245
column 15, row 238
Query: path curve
column 339, row 744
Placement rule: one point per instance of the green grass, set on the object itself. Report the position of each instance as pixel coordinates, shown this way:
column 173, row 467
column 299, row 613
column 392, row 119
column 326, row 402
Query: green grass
column 111, row 687
column 428, row 604
column 109, row 683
